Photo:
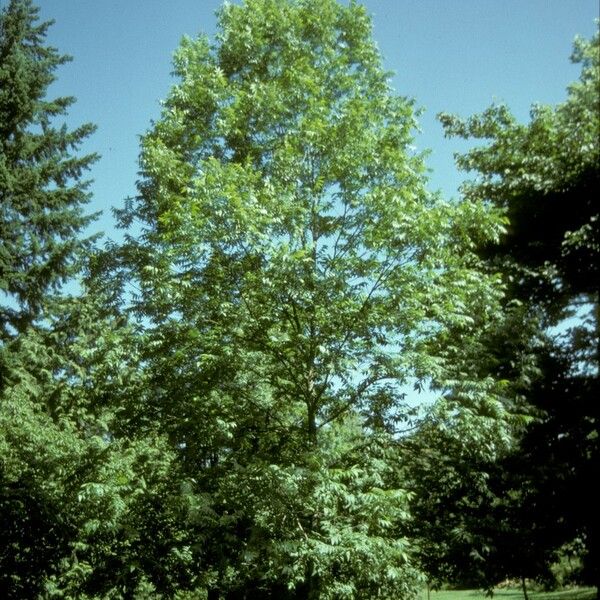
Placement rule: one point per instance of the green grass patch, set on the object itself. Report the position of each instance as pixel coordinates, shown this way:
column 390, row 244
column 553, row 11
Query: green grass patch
column 513, row 594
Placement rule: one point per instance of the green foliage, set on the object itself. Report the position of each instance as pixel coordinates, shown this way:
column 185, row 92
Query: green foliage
column 544, row 175
column 43, row 442
column 220, row 413
column 87, row 498
column 513, row 594
column 68, row 485
column 41, row 191
column 293, row 276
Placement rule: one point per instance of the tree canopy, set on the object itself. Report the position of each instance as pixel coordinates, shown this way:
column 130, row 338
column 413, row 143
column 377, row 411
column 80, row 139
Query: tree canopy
column 294, row 272
column 227, row 404
column 62, row 356
column 545, row 176
column 42, row 192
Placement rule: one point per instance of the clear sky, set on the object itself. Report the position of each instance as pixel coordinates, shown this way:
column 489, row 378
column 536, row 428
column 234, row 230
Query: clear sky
column 450, row 55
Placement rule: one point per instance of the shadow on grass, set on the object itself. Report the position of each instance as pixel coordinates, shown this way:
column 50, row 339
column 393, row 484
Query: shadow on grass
column 512, row 594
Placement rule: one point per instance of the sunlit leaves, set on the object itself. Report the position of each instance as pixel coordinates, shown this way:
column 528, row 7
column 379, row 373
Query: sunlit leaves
column 295, row 275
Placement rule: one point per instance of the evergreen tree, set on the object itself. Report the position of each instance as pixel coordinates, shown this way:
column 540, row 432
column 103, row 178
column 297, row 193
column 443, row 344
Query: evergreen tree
column 41, row 188
column 45, row 434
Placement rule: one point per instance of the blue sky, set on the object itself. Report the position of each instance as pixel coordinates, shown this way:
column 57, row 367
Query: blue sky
column 450, row 55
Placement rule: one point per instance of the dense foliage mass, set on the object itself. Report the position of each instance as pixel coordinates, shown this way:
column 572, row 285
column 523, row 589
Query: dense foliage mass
column 293, row 273
column 65, row 479
column 222, row 410
column 41, row 195
column 41, row 190
column 534, row 504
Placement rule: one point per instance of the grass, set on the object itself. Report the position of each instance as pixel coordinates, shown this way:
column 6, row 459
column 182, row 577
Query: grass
column 513, row 594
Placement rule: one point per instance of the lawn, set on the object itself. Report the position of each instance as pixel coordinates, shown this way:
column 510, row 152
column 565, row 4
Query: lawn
column 513, row 594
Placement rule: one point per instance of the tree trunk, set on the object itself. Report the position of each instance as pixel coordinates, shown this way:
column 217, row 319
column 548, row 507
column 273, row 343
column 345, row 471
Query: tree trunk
column 524, row 586
column 311, row 426
column 311, row 408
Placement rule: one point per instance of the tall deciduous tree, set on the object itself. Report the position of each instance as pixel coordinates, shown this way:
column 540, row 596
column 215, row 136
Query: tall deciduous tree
column 292, row 272
column 545, row 175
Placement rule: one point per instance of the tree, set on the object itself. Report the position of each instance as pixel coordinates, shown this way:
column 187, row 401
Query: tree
column 545, row 176
column 291, row 274
column 73, row 488
column 461, row 476
column 60, row 357
column 41, row 188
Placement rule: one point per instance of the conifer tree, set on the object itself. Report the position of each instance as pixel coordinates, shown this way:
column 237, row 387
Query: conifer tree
column 42, row 192
column 47, row 435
